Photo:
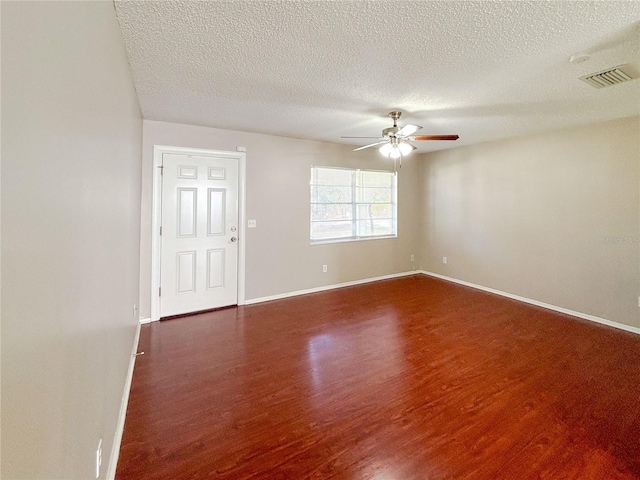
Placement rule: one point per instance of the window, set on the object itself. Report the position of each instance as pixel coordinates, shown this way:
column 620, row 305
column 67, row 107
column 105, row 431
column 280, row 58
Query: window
column 352, row 204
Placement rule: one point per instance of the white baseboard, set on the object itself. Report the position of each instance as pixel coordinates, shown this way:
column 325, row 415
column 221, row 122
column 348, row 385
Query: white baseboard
column 585, row 316
column 115, row 449
column 329, row 287
column 145, row 320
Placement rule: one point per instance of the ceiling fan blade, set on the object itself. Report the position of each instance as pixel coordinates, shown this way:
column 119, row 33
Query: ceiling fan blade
column 370, row 145
column 408, row 130
column 360, row 137
column 435, row 137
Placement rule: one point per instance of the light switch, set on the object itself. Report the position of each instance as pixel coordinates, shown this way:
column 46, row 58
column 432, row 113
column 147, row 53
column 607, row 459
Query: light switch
column 251, row 223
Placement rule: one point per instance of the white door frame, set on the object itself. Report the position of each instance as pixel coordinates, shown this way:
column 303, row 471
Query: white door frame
column 158, row 151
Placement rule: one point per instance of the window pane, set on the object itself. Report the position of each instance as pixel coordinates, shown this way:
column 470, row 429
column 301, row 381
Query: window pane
column 321, row 194
column 375, row 210
column 327, row 230
column 368, row 228
column 374, row 194
column 336, row 211
column 332, row 176
column 374, row 179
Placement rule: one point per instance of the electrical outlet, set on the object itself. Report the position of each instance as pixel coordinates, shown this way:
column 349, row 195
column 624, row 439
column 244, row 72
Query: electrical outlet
column 135, row 311
column 412, row 258
column 324, row 269
column 639, row 301
column 98, row 458
column 444, row 259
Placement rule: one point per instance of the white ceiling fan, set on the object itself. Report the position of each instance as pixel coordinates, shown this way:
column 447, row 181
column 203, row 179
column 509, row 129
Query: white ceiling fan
column 395, row 140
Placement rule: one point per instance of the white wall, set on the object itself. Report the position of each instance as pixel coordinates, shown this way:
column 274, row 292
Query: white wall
column 71, row 147
column 552, row 217
column 279, row 257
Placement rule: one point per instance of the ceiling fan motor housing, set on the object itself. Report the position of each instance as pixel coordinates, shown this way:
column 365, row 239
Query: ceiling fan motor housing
column 395, row 115
column 387, row 132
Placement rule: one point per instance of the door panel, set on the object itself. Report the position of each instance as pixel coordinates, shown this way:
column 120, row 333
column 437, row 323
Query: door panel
column 215, row 268
column 199, row 226
column 186, row 212
column 186, row 272
column 217, row 211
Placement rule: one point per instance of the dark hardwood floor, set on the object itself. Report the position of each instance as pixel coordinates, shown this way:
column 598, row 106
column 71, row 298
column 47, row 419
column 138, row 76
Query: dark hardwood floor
column 412, row 378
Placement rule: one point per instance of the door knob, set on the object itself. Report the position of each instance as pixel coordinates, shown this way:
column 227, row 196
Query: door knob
column 234, row 239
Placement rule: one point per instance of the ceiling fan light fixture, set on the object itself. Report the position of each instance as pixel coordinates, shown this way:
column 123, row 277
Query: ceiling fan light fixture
column 386, row 149
column 395, row 149
column 391, row 150
column 405, row 148
column 395, row 152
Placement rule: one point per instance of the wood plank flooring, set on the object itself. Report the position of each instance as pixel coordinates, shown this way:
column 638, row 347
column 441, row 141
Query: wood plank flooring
column 411, row 378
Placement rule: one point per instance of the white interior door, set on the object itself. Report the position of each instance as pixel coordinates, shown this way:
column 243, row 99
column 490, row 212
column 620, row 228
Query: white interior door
column 199, row 242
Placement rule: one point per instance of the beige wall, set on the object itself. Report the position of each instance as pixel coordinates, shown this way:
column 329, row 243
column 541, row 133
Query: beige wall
column 279, row 258
column 552, row 217
column 71, row 146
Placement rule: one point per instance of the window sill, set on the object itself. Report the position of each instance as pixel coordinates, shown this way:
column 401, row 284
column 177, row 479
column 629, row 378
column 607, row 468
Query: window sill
column 350, row 239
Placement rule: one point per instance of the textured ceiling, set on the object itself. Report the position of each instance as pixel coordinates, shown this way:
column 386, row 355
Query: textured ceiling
column 323, row 69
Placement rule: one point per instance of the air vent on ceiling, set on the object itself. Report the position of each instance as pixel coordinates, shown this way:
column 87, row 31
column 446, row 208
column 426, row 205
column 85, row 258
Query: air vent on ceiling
column 606, row 78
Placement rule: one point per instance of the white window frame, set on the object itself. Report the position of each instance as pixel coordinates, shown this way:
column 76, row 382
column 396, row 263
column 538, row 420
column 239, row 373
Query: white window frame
column 354, row 205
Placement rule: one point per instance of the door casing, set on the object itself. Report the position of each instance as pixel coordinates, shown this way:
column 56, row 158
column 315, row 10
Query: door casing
column 158, row 152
